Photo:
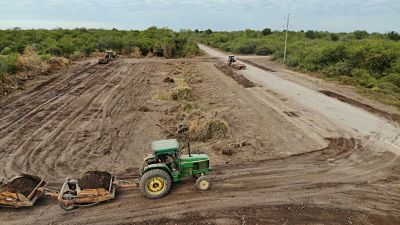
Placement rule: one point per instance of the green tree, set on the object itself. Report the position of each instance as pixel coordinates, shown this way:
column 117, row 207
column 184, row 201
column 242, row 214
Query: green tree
column 310, row 34
column 360, row 34
column 266, row 31
column 208, row 31
column 393, row 36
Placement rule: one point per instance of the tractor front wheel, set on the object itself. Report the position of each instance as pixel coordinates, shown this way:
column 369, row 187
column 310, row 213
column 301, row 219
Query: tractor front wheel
column 155, row 183
column 203, row 183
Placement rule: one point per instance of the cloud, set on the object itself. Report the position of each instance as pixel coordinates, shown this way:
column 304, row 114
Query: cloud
column 335, row 15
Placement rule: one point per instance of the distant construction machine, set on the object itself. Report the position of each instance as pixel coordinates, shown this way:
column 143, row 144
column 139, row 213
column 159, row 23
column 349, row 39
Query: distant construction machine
column 109, row 56
column 233, row 63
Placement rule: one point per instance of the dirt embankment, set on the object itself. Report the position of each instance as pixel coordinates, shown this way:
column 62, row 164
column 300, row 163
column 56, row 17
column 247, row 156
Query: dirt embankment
column 385, row 114
column 237, row 77
column 257, row 65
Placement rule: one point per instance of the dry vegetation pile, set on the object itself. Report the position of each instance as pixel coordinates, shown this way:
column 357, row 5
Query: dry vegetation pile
column 136, row 53
column 57, row 63
column 30, row 64
column 187, row 120
column 203, row 126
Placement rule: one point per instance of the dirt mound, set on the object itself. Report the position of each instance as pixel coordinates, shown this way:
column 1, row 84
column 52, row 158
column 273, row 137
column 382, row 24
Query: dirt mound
column 95, row 179
column 24, row 184
column 256, row 65
column 240, row 79
column 390, row 116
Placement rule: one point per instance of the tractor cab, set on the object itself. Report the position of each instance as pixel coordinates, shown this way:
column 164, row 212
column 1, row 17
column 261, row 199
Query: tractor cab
column 110, row 55
column 231, row 59
column 167, row 164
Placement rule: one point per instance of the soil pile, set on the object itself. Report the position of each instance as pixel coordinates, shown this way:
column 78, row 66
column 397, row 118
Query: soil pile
column 390, row 116
column 95, row 179
column 240, row 79
column 257, row 65
column 23, row 185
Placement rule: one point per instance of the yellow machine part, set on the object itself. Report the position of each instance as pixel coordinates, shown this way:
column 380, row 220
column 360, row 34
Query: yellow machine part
column 6, row 194
column 93, row 192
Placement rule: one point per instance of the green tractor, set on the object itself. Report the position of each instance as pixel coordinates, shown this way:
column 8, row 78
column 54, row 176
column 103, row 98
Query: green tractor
column 167, row 165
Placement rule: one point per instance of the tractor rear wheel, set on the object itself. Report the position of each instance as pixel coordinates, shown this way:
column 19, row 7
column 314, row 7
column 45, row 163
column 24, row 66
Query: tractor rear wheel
column 155, row 183
column 203, row 183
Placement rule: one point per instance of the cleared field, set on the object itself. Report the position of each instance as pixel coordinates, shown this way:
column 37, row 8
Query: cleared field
column 104, row 117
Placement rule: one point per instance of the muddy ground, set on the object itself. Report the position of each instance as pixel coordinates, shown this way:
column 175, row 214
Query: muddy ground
column 266, row 170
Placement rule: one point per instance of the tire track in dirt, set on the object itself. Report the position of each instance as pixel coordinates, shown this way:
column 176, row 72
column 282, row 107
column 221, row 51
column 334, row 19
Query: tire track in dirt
column 335, row 179
column 43, row 94
column 37, row 105
column 78, row 132
column 58, row 115
column 96, row 132
column 100, row 102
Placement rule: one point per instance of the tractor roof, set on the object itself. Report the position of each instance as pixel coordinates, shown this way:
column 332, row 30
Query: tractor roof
column 164, row 146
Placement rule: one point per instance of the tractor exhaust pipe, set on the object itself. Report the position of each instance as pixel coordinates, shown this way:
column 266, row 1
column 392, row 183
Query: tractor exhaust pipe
column 188, row 146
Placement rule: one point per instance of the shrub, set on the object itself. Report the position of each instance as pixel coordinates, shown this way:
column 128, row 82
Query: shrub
column 334, row 37
column 8, row 64
column 392, row 78
column 357, row 72
column 310, row 34
column 340, row 68
column 6, row 51
column 76, row 55
column 360, row 34
column 393, row 36
column 389, row 87
column 366, row 81
column 266, row 31
column 264, row 50
column 332, row 54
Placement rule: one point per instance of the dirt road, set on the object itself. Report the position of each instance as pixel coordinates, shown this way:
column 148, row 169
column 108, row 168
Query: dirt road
column 321, row 115
column 284, row 172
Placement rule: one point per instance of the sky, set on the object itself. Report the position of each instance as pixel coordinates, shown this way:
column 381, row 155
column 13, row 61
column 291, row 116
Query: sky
column 329, row 15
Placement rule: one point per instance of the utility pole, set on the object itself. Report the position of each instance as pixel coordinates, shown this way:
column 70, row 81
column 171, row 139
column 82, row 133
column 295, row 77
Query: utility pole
column 287, row 29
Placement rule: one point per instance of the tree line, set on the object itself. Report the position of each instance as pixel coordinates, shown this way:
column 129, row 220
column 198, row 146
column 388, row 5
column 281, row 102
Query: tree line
column 82, row 42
